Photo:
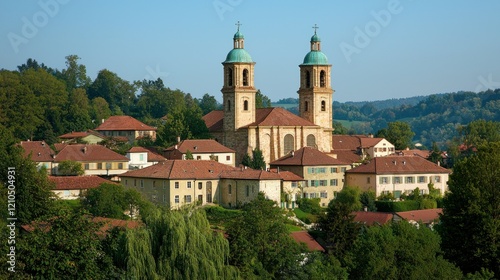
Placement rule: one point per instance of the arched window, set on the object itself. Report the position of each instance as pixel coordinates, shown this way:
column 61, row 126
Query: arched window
column 308, row 79
column 245, row 77
column 322, row 78
column 311, row 141
column 245, row 105
column 306, row 106
column 288, row 143
column 228, row 105
column 323, row 105
column 229, row 77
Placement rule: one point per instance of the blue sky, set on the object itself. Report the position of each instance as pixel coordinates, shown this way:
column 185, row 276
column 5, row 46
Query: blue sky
column 379, row 49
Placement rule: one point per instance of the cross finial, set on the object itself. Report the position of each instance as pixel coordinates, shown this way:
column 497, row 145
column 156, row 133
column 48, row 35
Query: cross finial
column 238, row 24
column 315, row 27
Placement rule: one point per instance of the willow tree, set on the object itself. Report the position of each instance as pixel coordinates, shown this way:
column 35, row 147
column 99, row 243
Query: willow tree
column 177, row 245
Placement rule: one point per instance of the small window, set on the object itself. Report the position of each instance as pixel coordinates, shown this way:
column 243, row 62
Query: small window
column 294, row 184
column 87, row 166
column 198, row 157
column 306, row 106
column 228, row 105
column 245, row 105
column 176, row 184
column 164, row 184
column 368, row 179
column 323, row 105
column 421, row 179
column 228, row 158
column 245, row 77
column 141, row 157
column 324, row 195
column 176, row 199
column 322, row 78
column 99, row 165
column 343, row 169
column 200, row 185
column 333, row 170
column 396, row 180
column 229, row 77
column 334, row 182
column 120, row 165
column 229, row 189
column 135, row 182
column 188, row 185
column 384, row 180
column 126, row 182
column 187, row 198
column 397, row 194
column 409, row 180
column 248, row 190
column 437, row 179
column 142, row 183
column 154, row 184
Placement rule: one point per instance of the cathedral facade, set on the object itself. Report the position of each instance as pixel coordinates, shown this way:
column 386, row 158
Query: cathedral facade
column 275, row 131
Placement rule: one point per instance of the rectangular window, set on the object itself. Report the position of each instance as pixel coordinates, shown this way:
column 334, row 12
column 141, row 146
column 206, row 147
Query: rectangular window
column 176, row 185
column 397, row 194
column 313, row 183
column 437, row 179
column 120, row 165
column 306, row 195
column 164, row 184
column 187, row 198
column 141, row 157
column 99, row 165
column 126, row 182
column 334, row 182
column 312, row 195
column 228, row 158
column 421, row 179
column 422, row 192
column 154, row 184
column 200, row 185
column 108, row 165
column 324, row 195
column 176, row 199
column 164, row 198
column 198, row 157
column 153, row 197
column 248, row 190
column 87, row 166
column 343, row 169
column 396, row 180
column 410, row 180
column 368, row 179
column 142, row 183
column 189, row 185
column 333, row 170
column 310, row 170
column 323, row 183
column 294, row 184
column 321, row 170
column 229, row 189
column 135, row 182
column 384, row 180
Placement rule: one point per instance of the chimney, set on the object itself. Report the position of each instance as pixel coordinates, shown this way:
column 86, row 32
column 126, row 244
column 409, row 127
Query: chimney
column 43, row 144
column 84, row 150
column 365, row 209
column 292, row 153
column 176, row 147
column 102, row 120
column 370, row 135
column 278, row 169
column 178, row 139
column 439, row 163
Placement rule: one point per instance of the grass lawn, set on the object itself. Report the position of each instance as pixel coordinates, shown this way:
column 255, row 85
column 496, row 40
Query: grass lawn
column 292, row 228
column 72, row 204
column 218, row 216
column 305, row 217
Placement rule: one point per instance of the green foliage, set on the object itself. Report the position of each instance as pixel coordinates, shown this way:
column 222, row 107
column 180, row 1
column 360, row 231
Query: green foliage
column 75, row 75
column 470, row 221
column 306, row 217
column 257, row 160
column 399, row 251
column 208, row 103
column 261, row 100
column 119, row 94
column 479, row 133
column 260, row 244
column 339, row 128
column 70, row 168
column 397, row 206
column 189, row 155
column 310, row 205
column 435, row 155
column 367, row 200
column 247, row 160
column 398, row 133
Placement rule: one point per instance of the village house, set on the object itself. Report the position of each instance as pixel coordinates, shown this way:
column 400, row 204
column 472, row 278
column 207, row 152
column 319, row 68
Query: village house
column 290, row 188
column 201, row 149
column 40, row 152
column 356, row 148
column 95, row 159
column 88, row 137
column 398, row 175
column 74, row 187
column 126, row 126
column 140, row 157
column 323, row 174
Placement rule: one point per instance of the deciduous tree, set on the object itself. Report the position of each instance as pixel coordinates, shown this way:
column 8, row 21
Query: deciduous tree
column 398, row 133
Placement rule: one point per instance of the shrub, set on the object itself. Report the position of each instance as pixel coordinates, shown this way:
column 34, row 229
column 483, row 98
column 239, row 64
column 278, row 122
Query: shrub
column 397, row 206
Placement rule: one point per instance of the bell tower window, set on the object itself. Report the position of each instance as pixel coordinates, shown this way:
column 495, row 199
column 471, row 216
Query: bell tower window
column 228, row 105
column 245, row 77
column 245, row 105
column 229, row 77
column 306, row 106
column 322, row 78
column 323, row 105
column 308, row 79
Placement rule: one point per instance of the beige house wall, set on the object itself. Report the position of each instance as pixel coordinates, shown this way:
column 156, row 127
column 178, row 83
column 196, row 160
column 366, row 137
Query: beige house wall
column 326, row 184
column 68, row 194
column 224, row 158
column 237, row 192
column 93, row 168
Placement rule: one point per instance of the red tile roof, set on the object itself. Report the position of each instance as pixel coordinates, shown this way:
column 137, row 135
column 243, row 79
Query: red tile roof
column 181, row 169
column 415, row 152
column 367, row 142
column 425, row 216
column 305, row 237
column 39, row 150
column 152, row 156
column 347, row 156
column 249, row 174
column 213, row 120
column 345, row 142
column 78, row 182
column 199, row 146
column 89, row 153
column 60, row 146
column 371, row 218
column 80, row 134
column 123, row 123
column 288, row 175
column 398, row 165
column 307, row 156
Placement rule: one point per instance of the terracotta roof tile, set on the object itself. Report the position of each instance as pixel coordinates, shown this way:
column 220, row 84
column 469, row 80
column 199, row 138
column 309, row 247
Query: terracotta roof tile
column 371, row 218
column 39, row 150
column 152, row 156
column 249, row 174
column 307, row 156
column 347, row 156
column 288, row 175
column 181, row 169
column 90, row 153
column 214, row 120
column 80, row 134
column 414, row 152
column 425, row 216
column 367, row 142
column 201, row 146
column 398, row 165
column 305, row 237
column 123, row 123
column 345, row 142
column 60, row 146
column 78, row 182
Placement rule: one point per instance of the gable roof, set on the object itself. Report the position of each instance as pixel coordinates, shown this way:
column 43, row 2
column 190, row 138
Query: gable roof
column 425, row 216
column 91, row 153
column 39, row 150
column 200, row 146
column 81, row 134
column 345, row 142
column 414, row 152
column 367, row 142
column 123, row 123
column 307, row 156
column 213, row 120
column 78, row 182
column 288, row 175
column 181, row 169
column 372, row 218
column 152, row 156
column 305, row 237
column 249, row 174
column 398, row 165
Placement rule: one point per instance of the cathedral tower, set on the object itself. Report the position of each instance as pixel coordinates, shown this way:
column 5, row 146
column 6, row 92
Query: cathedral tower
column 238, row 91
column 315, row 92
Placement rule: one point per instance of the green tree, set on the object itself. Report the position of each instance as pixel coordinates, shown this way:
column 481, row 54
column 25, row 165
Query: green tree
column 435, row 155
column 189, row 155
column 261, row 100
column 399, row 251
column 398, row 133
column 367, row 200
column 247, row 160
column 75, row 75
column 479, row 132
column 64, row 247
column 119, row 94
column 258, row 161
column 339, row 128
column 78, row 116
column 208, row 103
column 100, row 110
column 259, row 241
column 70, row 168
column 470, row 226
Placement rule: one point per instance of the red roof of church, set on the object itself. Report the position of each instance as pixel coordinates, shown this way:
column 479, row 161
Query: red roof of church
column 398, row 165
column 123, row 123
column 307, row 156
column 305, row 237
column 39, row 150
column 213, row 120
column 78, row 182
column 92, row 153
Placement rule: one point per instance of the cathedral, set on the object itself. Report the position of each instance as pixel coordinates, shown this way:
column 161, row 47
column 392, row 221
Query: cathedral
column 275, row 131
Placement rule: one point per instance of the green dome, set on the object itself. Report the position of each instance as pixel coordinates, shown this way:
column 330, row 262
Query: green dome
column 238, row 55
column 315, row 58
column 238, row 35
column 315, row 38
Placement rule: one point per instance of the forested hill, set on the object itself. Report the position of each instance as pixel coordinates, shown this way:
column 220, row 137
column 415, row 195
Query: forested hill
column 388, row 103
column 433, row 119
